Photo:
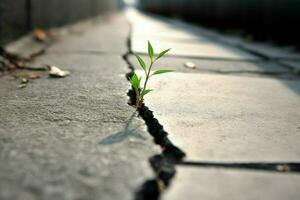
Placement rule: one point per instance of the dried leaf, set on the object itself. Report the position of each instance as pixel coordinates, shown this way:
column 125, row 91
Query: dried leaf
column 40, row 35
column 56, row 72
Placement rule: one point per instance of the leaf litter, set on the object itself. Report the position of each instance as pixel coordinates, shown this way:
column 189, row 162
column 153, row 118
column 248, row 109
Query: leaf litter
column 19, row 67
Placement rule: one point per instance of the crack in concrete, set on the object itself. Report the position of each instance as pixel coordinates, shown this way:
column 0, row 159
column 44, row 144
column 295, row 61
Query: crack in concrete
column 267, row 74
column 288, row 167
column 162, row 164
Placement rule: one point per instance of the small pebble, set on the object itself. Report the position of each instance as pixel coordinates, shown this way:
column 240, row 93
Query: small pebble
column 24, row 80
column 23, row 85
column 283, row 168
column 190, row 65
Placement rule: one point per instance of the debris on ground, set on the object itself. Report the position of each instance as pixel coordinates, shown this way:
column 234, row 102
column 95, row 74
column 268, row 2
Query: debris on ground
column 41, row 35
column 19, row 67
column 22, row 85
column 57, row 72
column 190, row 65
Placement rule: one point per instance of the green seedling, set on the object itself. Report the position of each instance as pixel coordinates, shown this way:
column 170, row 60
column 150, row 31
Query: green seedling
column 137, row 81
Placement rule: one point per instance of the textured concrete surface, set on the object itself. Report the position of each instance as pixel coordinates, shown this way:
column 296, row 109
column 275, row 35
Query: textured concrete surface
column 220, row 184
column 229, row 118
column 73, row 138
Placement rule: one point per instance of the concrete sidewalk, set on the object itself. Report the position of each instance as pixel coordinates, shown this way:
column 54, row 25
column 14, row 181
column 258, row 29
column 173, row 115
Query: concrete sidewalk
column 240, row 103
column 77, row 138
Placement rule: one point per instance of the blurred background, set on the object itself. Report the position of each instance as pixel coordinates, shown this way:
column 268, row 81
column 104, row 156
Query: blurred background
column 272, row 20
column 268, row 20
column 18, row 17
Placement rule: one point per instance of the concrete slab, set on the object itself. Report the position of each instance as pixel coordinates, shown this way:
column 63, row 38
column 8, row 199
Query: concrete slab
column 229, row 118
column 198, row 183
column 106, row 38
column 72, row 138
column 216, row 66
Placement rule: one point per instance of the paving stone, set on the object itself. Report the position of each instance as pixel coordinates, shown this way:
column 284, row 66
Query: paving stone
column 216, row 66
column 106, row 38
column 204, row 183
column 229, row 118
column 72, row 138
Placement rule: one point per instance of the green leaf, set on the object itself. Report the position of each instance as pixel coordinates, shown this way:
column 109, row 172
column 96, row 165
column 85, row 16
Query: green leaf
column 162, row 71
column 141, row 61
column 135, row 82
column 146, row 92
column 150, row 50
column 161, row 54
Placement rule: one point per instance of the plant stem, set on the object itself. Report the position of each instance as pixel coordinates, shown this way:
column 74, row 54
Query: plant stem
column 146, row 80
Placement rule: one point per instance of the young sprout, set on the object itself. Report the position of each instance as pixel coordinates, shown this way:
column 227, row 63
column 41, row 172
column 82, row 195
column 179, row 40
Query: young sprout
column 136, row 81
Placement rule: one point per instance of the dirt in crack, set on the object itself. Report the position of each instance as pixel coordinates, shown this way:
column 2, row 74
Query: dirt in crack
column 162, row 164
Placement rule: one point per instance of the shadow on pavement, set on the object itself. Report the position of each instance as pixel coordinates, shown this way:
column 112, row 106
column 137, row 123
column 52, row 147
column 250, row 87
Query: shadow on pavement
column 124, row 134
